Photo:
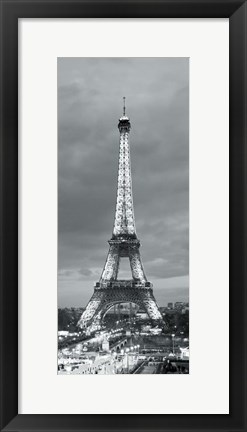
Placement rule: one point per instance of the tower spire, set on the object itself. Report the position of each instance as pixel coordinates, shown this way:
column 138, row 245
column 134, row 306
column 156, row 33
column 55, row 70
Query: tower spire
column 124, row 223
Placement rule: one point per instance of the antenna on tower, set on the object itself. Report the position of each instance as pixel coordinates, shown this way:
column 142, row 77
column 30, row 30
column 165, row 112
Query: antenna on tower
column 124, row 105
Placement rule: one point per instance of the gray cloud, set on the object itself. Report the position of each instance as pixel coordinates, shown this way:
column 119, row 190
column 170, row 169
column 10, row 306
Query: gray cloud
column 89, row 104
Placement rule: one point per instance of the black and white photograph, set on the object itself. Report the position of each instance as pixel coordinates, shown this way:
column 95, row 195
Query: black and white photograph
column 123, row 215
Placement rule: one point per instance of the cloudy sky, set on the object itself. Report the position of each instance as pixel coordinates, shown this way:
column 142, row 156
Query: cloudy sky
column 90, row 92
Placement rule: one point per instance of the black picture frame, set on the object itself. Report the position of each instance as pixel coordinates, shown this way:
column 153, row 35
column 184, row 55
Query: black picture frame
column 11, row 11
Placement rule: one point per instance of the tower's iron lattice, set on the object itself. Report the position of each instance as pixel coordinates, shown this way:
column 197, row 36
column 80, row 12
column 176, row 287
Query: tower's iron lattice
column 123, row 243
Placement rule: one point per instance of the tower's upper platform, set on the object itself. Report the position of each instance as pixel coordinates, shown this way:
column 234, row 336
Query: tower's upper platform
column 124, row 121
column 124, row 124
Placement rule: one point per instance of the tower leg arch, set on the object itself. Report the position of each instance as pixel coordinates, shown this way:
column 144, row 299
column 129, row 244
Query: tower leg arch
column 103, row 299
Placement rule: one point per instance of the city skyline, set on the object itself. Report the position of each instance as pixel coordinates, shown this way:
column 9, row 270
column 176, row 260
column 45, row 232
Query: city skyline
column 89, row 104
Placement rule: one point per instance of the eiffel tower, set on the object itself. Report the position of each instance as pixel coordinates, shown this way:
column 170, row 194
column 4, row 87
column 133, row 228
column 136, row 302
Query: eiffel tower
column 123, row 243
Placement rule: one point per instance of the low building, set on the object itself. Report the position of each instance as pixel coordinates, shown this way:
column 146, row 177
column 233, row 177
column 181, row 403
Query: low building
column 185, row 353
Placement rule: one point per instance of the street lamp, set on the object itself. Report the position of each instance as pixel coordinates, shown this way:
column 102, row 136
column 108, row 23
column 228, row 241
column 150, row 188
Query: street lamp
column 173, row 335
column 122, row 354
column 127, row 352
column 114, row 362
column 132, row 357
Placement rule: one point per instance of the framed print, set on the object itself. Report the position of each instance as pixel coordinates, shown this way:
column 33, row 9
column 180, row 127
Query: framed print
column 123, row 197
column 100, row 340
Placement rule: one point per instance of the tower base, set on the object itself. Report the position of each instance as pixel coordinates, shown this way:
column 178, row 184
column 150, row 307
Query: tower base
column 104, row 297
